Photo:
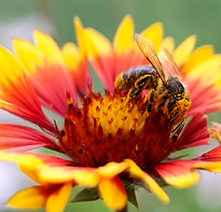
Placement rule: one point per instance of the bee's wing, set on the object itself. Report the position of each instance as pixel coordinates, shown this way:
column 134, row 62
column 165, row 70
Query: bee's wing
column 150, row 54
column 168, row 62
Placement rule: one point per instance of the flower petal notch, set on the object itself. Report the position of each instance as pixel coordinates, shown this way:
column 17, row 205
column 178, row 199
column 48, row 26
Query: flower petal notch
column 155, row 102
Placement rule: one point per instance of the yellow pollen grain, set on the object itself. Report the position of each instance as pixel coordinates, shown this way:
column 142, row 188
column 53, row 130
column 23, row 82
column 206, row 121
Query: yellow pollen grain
column 114, row 113
column 136, row 147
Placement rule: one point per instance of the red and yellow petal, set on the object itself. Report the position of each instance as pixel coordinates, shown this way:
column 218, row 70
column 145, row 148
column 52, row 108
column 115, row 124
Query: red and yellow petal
column 53, row 197
column 183, row 173
column 48, row 48
column 97, row 45
column 109, row 61
column 28, row 163
column 168, row 43
column 199, row 56
column 194, row 134
column 100, row 55
column 110, row 187
column 113, row 193
column 213, row 155
column 33, row 164
column 184, row 50
column 58, row 199
column 56, row 181
column 76, row 59
column 136, row 172
column 31, row 198
column 17, row 94
column 124, row 37
column 154, row 34
column 178, row 173
column 200, row 61
column 204, row 96
column 71, row 55
column 112, row 169
column 51, row 194
column 41, row 67
column 210, row 161
column 209, row 166
column 80, row 175
column 15, row 138
column 47, row 170
column 200, row 71
column 77, row 67
column 203, row 85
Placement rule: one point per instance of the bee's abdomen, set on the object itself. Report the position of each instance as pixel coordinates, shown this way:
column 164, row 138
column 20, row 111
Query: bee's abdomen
column 127, row 79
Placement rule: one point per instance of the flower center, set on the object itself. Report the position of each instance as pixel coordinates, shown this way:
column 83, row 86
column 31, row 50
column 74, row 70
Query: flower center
column 111, row 128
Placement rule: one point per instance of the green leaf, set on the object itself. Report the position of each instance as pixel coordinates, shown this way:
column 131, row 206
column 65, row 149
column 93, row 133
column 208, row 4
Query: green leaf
column 87, row 194
column 132, row 196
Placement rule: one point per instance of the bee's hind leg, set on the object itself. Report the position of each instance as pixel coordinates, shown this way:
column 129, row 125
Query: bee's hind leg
column 142, row 82
column 150, row 97
column 133, row 93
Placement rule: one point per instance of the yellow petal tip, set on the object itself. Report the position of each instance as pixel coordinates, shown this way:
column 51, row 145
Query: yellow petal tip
column 77, row 21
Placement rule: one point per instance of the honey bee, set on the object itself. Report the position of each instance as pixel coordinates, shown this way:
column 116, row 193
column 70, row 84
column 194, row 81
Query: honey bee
column 165, row 86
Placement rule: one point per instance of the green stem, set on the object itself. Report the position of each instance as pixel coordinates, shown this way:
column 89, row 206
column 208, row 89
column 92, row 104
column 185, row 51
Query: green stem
column 125, row 209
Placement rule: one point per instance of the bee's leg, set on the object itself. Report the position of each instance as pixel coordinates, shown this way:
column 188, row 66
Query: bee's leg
column 177, row 130
column 151, row 101
column 133, row 93
column 178, row 125
column 172, row 119
column 142, row 82
column 159, row 107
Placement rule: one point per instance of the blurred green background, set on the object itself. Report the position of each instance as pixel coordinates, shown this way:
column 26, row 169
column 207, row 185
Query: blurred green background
column 180, row 18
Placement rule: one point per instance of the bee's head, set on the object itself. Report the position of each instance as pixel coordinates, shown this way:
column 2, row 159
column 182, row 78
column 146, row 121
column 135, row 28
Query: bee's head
column 178, row 107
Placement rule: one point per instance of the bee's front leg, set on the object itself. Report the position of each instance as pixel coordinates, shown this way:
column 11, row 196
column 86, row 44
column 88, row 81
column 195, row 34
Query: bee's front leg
column 179, row 125
column 172, row 119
